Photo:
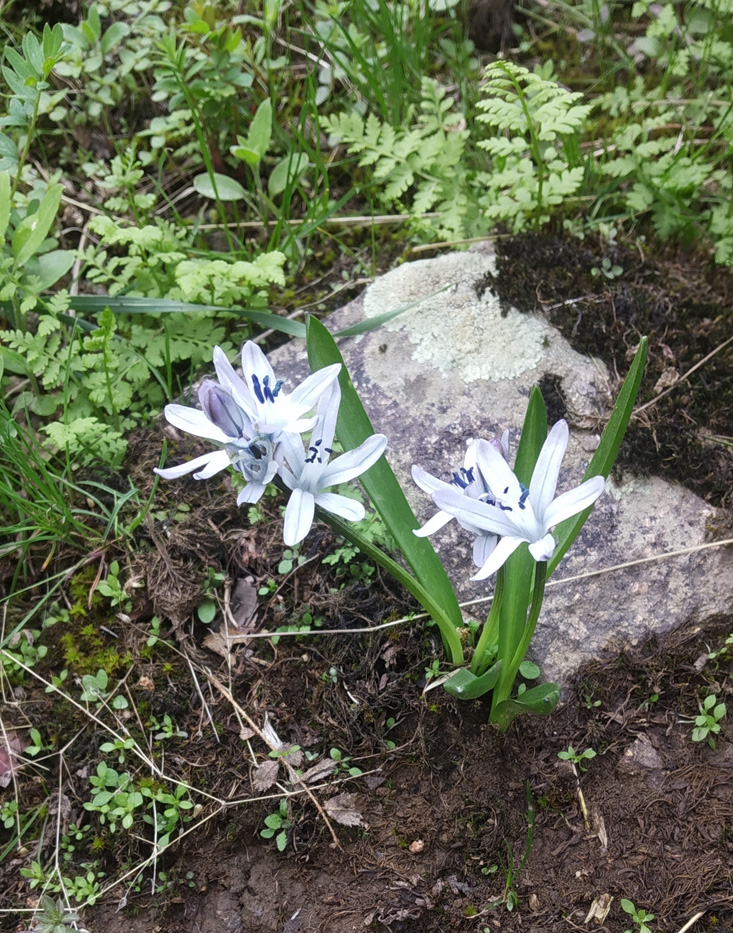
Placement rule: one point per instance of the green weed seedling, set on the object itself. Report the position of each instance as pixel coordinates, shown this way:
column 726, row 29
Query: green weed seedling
column 84, row 888
column 607, row 270
column 118, row 747
column 166, row 811
column 94, row 690
column 342, row 763
column 37, row 744
column 208, row 608
column 277, row 824
column 510, row 898
column 115, row 798
column 725, row 649
column 707, row 724
column 638, row 915
column 571, row 755
column 290, row 559
column 112, row 588
column 167, row 729
column 54, row 917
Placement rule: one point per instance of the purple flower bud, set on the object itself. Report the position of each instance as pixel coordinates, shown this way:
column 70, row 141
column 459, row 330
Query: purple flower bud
column 221, row 409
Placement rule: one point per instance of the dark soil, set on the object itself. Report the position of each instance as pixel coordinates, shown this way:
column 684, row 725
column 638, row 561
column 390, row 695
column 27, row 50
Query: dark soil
column 685, row 429
column 446, row 808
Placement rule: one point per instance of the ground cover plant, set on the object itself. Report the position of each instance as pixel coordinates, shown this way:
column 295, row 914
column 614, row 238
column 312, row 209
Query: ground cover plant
column 176, row 177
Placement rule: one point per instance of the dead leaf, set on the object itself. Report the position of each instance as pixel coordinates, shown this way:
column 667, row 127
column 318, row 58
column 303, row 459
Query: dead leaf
column 217, row 643
column 373, row 781
column 320, row 770
column 294, row 757
column 265, row 775
column 341, row 809
column 10, row 750
column 599, row 908
column 243, row 603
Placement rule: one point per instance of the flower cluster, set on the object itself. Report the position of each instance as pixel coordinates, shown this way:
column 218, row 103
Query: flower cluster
column 259, row 429
column 488, row 500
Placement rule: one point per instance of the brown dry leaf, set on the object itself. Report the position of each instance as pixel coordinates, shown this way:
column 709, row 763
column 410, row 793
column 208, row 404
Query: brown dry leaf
column 341, row 809
column 294, row 757
column 217, row 643
column 599, row 908
column 10, row 750
column 265, row 775
column 243, row 603
column 320, row 770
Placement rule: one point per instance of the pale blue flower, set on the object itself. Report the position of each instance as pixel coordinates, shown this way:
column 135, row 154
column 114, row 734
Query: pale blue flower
column 308, row 472
column 249, row 418
column 261, row 394
column 469, row 481
column 222, row 420
column 521, row 515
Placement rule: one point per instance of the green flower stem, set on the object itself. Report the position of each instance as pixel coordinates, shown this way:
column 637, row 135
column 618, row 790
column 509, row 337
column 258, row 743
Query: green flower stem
column 509, row 671
column 489, row 632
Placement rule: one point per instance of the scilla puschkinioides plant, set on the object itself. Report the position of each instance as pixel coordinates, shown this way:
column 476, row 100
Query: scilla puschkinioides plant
column 259, row 429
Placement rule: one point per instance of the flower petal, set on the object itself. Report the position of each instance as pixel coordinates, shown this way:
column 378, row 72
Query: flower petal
column 291, row 445
column 255, row 363
column 343, row 506
column 354, row 462
column 543, row 484
column 218, row 461
column 573, row 501
column 543, row 549
column 474, row 512
column 483, row 547
column 501, row 553
column 306, row 395
column 427, row 482
column 298, row 516
column 497, row 473
column 184, row 468
column 230, row 380
column 438, row 521
column 193, row 421
column 251, row 493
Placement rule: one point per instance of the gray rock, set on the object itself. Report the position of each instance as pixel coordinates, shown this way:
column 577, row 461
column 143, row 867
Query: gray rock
column 456, row 366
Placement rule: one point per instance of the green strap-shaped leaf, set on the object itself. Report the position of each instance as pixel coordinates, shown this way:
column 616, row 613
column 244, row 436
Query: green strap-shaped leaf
column 608, row 449
column 349, row 531
column 122, row 304
column 540, row 700
column 385, row 493
column 464, row 685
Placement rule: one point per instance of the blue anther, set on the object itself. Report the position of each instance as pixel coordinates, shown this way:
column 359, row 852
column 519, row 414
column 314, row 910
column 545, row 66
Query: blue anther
column 257, row 389
column 267, row 390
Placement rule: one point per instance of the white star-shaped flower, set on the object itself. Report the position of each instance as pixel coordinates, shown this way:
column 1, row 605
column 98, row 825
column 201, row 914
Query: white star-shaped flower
column 309, row 473
column 222, row 420
column 521, row 515
column 261, row 393
column 469, row 481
